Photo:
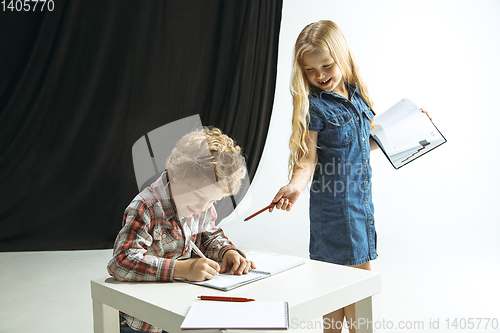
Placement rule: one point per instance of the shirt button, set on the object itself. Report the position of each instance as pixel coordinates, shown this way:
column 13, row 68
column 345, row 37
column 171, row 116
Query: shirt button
column 366, row 182
column 366, row 202
column 363, row 139
column 366, row 161
column 357, row 118
column 371, row 221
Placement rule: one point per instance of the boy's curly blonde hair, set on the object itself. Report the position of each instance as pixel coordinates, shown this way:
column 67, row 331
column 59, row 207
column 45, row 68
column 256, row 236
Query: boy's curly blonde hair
column 207, row 155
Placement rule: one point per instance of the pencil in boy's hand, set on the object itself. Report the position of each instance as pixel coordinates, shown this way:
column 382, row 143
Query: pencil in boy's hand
column 260, row 211
column 197, row 251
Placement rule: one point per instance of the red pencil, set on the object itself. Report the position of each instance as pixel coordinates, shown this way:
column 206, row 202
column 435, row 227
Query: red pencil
column 225, row 298
column 260, row 211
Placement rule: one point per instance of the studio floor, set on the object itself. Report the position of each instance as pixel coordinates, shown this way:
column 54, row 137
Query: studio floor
column 49, row 291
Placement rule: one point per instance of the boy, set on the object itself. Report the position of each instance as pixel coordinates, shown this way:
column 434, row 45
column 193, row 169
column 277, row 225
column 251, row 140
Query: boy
column 160, row 221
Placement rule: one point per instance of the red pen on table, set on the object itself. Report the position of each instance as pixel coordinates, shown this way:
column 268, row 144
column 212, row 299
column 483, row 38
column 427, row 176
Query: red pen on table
column 225, row 298
column 260, row 211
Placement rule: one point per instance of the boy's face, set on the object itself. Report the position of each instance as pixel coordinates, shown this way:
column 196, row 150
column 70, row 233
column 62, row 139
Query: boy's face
column 191, row 199
column 322, row 71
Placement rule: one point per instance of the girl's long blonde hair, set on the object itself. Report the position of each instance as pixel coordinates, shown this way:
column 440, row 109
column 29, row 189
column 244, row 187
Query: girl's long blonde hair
column 318, row 36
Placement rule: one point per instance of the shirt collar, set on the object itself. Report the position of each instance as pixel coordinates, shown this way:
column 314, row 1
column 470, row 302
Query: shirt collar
column 353, row 89
column 161, row 189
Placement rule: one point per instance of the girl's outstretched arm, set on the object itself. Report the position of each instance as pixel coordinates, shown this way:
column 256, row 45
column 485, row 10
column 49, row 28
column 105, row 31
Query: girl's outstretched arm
column 289, row 194
column 373, row 144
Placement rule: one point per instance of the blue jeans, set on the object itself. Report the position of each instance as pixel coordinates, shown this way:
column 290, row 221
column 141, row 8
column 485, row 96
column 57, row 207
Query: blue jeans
column 124, row 328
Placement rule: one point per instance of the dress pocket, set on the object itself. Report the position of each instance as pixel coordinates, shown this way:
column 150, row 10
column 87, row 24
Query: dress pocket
column 340, row 129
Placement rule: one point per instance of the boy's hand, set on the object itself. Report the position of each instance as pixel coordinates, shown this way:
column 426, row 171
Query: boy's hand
column 196, row 270
column 239, row 264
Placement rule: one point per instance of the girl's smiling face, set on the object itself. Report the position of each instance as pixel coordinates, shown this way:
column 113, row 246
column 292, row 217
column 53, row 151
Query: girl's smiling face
column 191, row 199
column 322, row 71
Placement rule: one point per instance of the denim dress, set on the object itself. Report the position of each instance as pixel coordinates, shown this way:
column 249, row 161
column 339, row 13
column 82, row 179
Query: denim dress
column 342, row 226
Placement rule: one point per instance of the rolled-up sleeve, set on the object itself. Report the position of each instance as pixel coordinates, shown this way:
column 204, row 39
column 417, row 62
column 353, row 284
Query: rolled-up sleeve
column 315, row 119
column 214, row 243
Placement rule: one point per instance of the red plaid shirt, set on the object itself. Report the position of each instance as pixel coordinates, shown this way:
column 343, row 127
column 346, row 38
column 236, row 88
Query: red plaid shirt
column 153, row 238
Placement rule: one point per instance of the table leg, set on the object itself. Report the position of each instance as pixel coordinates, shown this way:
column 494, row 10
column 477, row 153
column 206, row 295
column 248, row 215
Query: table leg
column 364, row 316
column 105, row 318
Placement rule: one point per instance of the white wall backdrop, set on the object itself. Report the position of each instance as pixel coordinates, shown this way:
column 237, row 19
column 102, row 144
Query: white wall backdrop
column 437, row 218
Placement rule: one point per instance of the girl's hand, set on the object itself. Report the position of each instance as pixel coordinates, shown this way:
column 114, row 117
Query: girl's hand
column 427, row 113
column 196, row 270
column 240, row 265
column 286, row 197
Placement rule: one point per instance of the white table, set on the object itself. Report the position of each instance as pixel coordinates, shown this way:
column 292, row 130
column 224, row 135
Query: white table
column 312, row 290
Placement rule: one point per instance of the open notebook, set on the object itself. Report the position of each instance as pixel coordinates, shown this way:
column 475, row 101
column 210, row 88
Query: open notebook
column 404, row 133
column 267, row 265
column 231, row 315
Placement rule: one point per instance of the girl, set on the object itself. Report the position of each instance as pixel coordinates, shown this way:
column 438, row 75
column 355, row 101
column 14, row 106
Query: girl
column 331, row 137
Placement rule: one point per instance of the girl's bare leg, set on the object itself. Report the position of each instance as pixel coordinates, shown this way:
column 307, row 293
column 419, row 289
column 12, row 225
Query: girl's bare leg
column 333, row 321
column 349, row 312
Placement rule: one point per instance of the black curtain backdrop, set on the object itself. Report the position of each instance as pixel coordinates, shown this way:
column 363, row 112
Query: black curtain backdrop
column 80, row 84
